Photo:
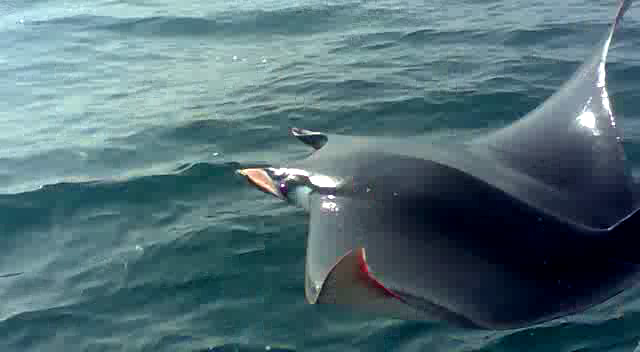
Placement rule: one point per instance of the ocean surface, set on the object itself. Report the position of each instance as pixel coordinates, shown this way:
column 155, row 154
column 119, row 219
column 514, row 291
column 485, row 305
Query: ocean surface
column 123, row 226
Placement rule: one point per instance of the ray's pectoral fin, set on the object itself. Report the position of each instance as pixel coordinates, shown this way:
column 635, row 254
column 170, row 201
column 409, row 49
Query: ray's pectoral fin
column 314, row 139
column 337, row 269
column 350, row 283
column 571, row 142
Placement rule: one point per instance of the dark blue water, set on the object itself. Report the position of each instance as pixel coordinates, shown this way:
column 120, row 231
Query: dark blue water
column 122, row 224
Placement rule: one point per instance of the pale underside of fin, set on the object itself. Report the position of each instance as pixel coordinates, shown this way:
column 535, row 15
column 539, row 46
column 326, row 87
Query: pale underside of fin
column 350, row 282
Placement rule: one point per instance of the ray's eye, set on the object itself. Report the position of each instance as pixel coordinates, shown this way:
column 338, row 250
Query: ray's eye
column 284, row 188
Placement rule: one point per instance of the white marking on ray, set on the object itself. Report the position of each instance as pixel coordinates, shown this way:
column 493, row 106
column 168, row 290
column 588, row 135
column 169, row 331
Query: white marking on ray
column 588, row 119
column 607, row 105
column 330, row 206
column 602, row 74
column 324, row 181
column 290, row 172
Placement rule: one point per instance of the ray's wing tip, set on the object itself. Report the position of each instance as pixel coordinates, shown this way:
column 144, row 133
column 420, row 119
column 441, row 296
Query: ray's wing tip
column 622, row 9
column 310, row 294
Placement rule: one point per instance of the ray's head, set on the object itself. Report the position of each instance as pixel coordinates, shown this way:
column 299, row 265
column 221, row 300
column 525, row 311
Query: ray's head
column 292, row 185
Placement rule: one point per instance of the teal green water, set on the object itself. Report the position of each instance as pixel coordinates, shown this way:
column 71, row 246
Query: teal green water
column 122, row 224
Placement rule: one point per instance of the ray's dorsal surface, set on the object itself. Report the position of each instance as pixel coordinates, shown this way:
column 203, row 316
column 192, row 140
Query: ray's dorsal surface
column 532, row 222
column 571, row 143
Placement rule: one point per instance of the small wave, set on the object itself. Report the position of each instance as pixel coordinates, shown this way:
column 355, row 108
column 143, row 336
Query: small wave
column 247, row 348
column 429, row 36
column 245, row 136
column 5, row 276
column 454, row 109
column 606, row 334
column 53, row 203
column 368, row 41
column 21, row 327
column 540, row 36
column 10, row 7
column 289, row 21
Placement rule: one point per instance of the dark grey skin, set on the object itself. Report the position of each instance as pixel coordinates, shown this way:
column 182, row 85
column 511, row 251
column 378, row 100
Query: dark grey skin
column 532, row 222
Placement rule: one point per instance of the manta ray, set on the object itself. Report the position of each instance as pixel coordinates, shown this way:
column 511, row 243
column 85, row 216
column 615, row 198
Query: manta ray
column 532, row 222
